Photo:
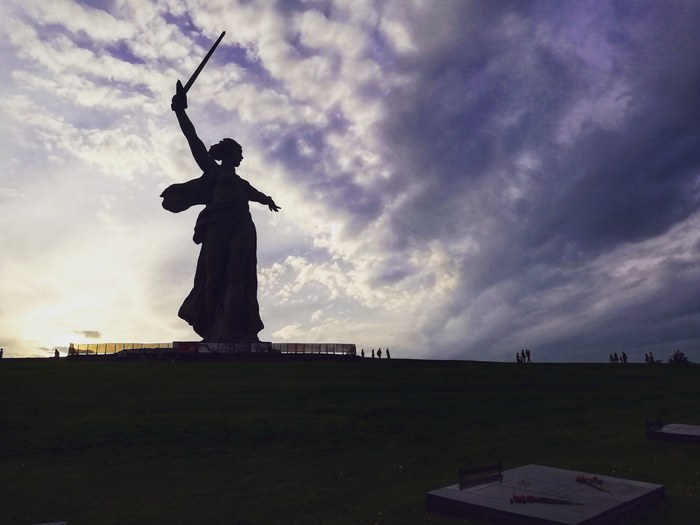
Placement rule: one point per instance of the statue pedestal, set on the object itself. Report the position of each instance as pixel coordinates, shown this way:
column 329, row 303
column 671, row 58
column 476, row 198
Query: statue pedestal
column 232, row 347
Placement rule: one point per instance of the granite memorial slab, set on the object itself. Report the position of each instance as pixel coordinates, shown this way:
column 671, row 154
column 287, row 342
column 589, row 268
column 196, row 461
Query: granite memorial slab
column 535, row 494
column 675, row 432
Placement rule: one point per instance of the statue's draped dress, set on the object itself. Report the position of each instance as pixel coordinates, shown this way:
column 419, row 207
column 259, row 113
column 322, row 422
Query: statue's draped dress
column 223, row 303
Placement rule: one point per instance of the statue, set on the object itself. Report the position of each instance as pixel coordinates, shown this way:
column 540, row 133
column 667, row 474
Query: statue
column 223, row 303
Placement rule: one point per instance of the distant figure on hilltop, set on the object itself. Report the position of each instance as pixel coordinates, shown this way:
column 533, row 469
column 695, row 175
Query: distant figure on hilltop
column 223, row 304
column 379, row 353
column 388, row 355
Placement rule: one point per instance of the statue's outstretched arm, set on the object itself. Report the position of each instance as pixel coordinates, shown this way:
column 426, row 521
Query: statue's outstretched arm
column 199, row 150
column 258, row 196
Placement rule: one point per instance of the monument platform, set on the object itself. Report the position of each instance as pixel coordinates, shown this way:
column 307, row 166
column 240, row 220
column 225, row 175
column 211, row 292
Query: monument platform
column 535, row 494
column 237, row 347
column 674, row 432
column 203, row 350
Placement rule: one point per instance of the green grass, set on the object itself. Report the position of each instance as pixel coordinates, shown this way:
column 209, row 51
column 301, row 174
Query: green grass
column 321, row 442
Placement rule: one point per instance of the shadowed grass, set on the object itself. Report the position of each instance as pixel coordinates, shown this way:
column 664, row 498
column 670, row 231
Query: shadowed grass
column 321, row 442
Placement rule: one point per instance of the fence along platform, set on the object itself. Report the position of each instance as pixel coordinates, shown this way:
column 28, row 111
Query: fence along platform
column 115, row 348
column 196, row 347
column 315, row 348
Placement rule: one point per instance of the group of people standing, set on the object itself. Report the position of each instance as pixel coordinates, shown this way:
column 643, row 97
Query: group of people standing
column 378, row 354
column 523, row 356
column 615, row 359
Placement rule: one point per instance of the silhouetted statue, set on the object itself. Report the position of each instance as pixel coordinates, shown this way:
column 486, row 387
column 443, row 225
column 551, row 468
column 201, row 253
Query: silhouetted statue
column 223, row 304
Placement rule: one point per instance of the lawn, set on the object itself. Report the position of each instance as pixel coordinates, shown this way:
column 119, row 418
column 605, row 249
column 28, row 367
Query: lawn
column 356, row 442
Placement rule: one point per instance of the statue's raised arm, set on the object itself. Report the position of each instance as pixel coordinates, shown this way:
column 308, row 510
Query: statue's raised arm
column 179, row 105
column 199, row 150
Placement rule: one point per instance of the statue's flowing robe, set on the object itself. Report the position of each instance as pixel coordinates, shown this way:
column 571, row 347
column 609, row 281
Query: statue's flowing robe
column 223, row 303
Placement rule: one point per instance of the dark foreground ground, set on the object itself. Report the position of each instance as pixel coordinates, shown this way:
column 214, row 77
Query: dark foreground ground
column 355, row 442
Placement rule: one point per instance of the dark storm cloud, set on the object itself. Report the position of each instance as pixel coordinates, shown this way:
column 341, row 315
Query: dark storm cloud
column 635, row 183
column 525, row 82
column 477, row 100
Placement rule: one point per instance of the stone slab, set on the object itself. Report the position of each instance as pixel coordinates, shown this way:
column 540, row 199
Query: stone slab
column 676, row 432
column 491, row 502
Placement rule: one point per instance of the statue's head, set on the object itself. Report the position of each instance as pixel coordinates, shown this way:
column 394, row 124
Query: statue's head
column 227, row 149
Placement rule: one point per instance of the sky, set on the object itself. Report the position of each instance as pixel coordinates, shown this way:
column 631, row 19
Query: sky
column 458, row 179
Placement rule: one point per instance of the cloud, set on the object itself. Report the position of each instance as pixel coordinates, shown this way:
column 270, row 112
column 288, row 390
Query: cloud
column 541, row 143
column 89, row 334
column 457, row 179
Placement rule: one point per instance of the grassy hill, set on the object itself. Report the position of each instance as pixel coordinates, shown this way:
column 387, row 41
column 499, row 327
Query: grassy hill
column 355, row 442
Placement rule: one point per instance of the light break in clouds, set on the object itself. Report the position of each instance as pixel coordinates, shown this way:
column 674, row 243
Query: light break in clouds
column 458, row 179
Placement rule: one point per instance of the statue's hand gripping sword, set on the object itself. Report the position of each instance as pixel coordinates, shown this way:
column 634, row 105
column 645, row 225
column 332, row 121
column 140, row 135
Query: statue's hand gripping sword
column 203, row 63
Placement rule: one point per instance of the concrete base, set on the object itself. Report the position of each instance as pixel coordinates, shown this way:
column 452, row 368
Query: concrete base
column 491, row 502
column 234, row 347
column 676, row 432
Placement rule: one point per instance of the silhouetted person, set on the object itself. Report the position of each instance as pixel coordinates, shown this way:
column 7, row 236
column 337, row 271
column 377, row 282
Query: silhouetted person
column 611, row 359
column 616, row 358
column 2, row 351
column 517, row 358
column 379, row 353
column 363, row 352
column 372, row 353
column 56, row 354
column 388, row 355
column 223, row 304
column 522, row 355
column 651, row 358
column 624, row 358
column 527, row 353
